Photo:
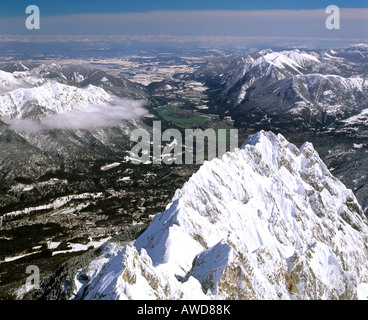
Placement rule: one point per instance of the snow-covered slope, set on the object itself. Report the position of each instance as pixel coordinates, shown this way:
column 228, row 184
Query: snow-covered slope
column 53, row 88
column 294, row 60
column 267, row 221
column 50, row 97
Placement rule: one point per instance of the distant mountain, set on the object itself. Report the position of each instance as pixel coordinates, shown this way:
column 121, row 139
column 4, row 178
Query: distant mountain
column 55, row 118
column 290, row 90
column 49, row 97
column 268, row 221
column 79, row 76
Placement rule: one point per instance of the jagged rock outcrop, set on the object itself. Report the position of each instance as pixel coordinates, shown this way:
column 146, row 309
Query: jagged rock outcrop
column 267, row 221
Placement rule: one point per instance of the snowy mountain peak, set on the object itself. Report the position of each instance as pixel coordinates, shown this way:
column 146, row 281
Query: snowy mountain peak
column 46, row 68
column 360, row 45
column 301, row 58
column 292, row 59
column 50, row 97
column 267, row 221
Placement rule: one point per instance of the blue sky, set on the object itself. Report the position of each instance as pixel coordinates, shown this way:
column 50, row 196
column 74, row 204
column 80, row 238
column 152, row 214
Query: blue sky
column 66, row 7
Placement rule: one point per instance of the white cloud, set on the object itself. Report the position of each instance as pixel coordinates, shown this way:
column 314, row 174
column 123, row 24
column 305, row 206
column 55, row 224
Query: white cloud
column 92, row 116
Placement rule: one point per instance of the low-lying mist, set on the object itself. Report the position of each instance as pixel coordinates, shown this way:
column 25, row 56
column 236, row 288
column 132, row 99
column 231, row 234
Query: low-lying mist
column 88, row 117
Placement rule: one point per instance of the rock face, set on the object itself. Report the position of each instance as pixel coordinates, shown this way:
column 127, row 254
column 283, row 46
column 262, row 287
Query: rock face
column 267, row 221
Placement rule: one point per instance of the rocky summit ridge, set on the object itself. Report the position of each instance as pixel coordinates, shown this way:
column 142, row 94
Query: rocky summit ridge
column 266, row 221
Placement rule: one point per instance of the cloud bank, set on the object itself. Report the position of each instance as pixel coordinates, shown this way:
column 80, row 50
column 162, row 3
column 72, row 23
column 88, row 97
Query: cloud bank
column 89, row 117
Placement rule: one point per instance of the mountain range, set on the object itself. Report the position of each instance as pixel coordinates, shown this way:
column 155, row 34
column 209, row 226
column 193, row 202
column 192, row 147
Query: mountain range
column 267, row 221
column 54, row 118
column 274, row 219
column 291, row 90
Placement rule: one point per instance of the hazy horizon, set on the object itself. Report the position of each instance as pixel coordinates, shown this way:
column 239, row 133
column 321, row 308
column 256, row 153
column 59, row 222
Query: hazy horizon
column 302, row 19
